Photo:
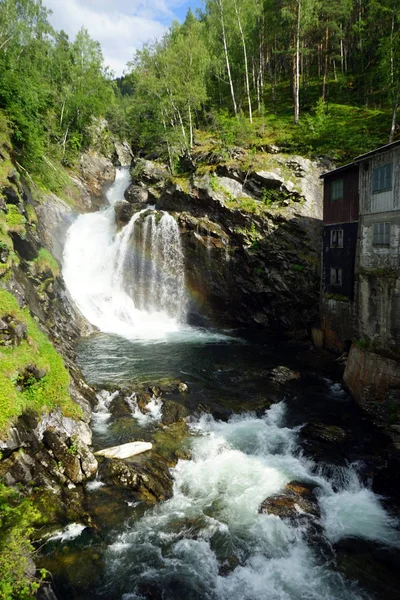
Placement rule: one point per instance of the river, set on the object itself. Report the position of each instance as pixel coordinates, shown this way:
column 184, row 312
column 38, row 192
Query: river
column 208, row 541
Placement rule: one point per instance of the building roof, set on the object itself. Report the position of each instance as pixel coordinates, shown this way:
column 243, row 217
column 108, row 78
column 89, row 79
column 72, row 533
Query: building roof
column 344, row 168
column 376, row 151
column 361, row 158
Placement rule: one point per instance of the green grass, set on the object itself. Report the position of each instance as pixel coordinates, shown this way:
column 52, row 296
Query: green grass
column 340, row 131
column 46, row 394
column 46, row 262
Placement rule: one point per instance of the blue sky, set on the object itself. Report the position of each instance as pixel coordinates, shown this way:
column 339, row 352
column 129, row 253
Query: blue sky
column 121, row 26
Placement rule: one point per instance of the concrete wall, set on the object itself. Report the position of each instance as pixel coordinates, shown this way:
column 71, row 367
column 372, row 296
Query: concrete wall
column 338, row 324
column 378, row 311
column 379, row 257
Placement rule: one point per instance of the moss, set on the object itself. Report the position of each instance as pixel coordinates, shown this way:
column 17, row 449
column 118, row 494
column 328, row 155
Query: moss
column 15, row 221
column 31, row 214
column 337, row 297
column 45, row 261
column 182, row 182
column 49, row 392
column 379, row 272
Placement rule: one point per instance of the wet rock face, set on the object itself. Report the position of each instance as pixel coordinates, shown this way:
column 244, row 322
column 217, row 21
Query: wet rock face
column 96, row 170
column 150, row 479
column 246, row 264
column 50, row 456
column 376, row 567
column 137, row 195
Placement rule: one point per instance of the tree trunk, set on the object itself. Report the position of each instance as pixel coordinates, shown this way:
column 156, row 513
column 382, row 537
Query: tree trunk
column 246, row 66
column 296, row 67
column 394, row 119
column 190, row 128
column 326, row 61
column 228, row 68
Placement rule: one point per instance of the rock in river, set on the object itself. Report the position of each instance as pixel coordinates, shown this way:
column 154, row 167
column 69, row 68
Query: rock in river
column 125, row 450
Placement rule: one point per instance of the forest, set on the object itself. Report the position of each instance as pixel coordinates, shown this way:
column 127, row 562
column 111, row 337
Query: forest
column 314, row 76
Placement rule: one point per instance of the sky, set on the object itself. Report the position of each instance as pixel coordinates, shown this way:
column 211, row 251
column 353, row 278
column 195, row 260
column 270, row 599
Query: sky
column 121, row 26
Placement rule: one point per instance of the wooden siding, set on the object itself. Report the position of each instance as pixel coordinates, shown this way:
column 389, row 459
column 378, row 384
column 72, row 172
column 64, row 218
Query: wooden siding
column 345, row 210
column 385, row 201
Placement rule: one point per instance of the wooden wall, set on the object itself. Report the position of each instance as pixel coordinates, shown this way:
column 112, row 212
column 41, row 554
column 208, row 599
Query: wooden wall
column 347, row 209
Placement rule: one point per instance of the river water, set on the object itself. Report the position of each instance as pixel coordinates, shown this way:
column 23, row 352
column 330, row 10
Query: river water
column 208, row 541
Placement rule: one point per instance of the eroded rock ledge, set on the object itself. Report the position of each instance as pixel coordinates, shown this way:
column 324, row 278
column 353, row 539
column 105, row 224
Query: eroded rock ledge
column 250, row 235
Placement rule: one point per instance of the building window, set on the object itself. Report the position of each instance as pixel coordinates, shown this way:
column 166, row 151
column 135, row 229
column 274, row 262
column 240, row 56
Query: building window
column 337, row 238
column 337, row 189
column 381, row 235
column 336, row 276
column 382, row 179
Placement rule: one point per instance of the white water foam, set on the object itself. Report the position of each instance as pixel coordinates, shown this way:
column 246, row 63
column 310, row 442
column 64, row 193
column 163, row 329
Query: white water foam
column 213, row 516
column 96, row 260
column 101, row 413
column 72, row 531
column 152, row 412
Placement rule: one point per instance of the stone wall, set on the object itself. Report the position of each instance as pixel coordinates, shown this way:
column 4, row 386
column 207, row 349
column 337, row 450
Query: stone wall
column 374, row 382
column 337, row 324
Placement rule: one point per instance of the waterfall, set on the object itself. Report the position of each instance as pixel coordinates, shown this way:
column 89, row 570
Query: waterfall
column 130, row 283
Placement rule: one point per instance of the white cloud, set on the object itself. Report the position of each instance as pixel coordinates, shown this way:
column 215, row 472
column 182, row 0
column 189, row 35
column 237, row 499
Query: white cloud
column 121, row 26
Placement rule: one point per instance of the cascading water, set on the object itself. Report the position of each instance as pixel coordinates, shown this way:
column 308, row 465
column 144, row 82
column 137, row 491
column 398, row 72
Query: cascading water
column 129, row 283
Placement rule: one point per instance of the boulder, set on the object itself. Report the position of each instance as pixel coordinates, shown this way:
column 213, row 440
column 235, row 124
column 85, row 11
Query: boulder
column 149, row 172
column 12, row 331
column 137, row 195
column 123, row 212
column 64, row 454
column 297, row 501
column 150, row 478
column 172, row 412
column 282, row 375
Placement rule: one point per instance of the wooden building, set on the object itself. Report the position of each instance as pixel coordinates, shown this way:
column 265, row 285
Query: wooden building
column 341, row 212
column 361, row 252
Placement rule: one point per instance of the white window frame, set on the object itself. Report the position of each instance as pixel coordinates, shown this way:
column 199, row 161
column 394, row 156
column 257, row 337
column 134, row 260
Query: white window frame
column 381, row 234
column 337, row 189
column 382, row 179
column 336, row 276
column 336, row 238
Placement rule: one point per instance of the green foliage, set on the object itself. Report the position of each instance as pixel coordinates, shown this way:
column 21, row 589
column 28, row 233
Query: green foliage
column 232, row 130
column 297, row 268
column 17, row 517
column 50, row 89
column 47, row 393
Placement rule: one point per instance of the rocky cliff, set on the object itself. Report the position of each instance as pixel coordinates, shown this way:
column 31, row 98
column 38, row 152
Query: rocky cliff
column 46, row 406
column 251, row 230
